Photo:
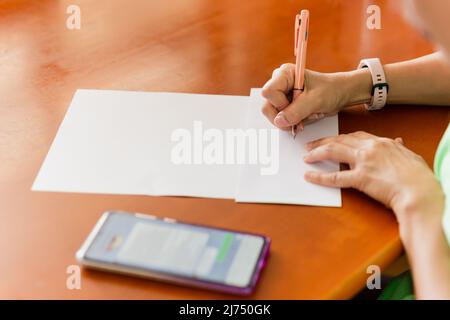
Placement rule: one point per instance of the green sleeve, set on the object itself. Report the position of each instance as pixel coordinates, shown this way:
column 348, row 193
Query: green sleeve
column 401, row 287
column 442, row 170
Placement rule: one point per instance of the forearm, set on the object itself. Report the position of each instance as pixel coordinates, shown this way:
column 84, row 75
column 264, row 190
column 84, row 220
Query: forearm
column 421, row 81
column 425, row 80
column 429, row 255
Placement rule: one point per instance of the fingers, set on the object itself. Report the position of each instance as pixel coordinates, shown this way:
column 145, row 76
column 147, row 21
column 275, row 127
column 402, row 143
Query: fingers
column 276, row 90
column 332, row 151
column 338, row 179
column 313, row 118
column 345, row 148
column 300, row 109
column 269, row 111
column 277, row 97
column 400, row 140
column 347, row 139
column 355, row 139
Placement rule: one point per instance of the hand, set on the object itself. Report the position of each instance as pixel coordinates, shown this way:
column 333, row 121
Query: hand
column 325, row 94
column 382, row 168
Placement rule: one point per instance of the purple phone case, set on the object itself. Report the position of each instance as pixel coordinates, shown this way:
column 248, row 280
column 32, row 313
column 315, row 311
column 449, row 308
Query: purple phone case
column 262, row 260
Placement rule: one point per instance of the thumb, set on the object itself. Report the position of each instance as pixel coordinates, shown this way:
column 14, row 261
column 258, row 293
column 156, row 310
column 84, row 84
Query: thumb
column 294, row 113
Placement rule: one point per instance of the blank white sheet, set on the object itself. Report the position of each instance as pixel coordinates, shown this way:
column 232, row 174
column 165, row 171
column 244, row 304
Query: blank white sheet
column 288, row 186
column 119, row 142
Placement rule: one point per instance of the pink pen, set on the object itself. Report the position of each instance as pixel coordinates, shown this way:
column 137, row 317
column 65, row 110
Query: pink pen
column 301, row 43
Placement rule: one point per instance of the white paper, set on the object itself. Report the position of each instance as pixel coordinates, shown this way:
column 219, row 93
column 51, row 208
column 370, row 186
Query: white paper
column 288, row 185
column 119, row 142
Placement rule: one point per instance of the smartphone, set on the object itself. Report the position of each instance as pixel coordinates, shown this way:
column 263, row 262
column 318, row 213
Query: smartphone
column 182, row 253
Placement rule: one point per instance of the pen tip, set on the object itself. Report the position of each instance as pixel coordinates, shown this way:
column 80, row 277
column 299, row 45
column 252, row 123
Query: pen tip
column 294, row 131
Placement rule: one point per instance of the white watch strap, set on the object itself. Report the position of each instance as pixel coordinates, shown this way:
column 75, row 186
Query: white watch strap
column 380, row 87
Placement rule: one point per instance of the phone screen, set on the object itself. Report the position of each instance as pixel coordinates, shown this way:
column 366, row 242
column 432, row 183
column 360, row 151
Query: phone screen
column 178, row 249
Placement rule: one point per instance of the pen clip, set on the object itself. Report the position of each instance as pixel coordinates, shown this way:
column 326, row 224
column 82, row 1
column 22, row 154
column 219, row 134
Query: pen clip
column 298, row 22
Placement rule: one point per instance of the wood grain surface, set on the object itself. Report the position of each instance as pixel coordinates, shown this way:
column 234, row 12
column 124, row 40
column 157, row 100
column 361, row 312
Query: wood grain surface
column 199, row 46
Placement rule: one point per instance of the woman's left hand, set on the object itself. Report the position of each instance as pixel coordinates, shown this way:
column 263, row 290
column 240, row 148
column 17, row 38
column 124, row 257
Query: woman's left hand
column 382, row 168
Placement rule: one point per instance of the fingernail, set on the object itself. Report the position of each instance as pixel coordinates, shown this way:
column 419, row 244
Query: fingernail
column 281, row 121
column 301, row 126
column 308, row 146
column 310, row 175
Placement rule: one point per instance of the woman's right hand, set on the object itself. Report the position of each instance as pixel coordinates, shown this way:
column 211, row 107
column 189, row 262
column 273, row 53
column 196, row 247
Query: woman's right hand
column 325, row 94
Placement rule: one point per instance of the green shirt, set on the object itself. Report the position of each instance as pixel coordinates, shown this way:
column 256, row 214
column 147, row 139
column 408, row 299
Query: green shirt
column 401, row 287
column 442, row 170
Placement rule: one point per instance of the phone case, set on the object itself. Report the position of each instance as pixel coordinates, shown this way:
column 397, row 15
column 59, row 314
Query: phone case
column 167, row 277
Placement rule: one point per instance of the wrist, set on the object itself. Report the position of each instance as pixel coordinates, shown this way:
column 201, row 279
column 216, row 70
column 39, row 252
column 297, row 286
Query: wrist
column 357, row 87
column 420, row 215
column 418, row 228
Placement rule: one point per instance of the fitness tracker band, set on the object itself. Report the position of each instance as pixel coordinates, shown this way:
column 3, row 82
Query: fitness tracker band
column 380, row 88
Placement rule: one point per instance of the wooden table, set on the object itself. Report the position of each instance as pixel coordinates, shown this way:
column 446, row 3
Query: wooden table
column 199, row 46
